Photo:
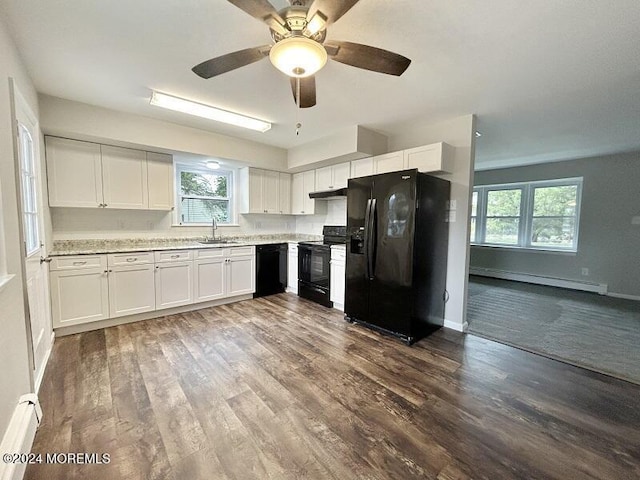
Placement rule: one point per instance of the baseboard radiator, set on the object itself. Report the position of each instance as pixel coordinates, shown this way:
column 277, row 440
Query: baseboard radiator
column 19, row 436
column 600, row 288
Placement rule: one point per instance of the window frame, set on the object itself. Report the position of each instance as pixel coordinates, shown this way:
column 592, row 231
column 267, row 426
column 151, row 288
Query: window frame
column 526, row 213
column 29, row 191
column 230, row 173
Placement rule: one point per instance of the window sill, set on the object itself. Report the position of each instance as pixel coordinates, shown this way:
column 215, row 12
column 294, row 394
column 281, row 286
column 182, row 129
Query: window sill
column 4, row 281
column 204, row 225
column 571, row 253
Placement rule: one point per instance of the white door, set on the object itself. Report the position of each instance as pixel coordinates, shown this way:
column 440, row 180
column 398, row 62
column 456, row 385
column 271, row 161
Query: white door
column 284, row 193
column 297, row 193
column 292, row 269
column 160, row 181
column 256, row 195
column 36, row 278
column 309, row 184
column 341, row 174
column 79, row 296
column 270, row 182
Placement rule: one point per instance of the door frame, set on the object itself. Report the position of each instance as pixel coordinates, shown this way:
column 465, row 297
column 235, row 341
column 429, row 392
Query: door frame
column 19, row 106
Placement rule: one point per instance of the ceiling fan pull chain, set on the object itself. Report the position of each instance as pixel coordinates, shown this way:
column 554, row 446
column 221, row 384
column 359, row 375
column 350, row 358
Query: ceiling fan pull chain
column 298, row 124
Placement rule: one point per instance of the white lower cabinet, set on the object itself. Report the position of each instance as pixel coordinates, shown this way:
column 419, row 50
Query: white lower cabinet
column 209, row 278
column 292, row 268
column 174, row 284
column 79, row 295
column 241, row 275
column 89, row 288
column 79, row 289
column 338, row 271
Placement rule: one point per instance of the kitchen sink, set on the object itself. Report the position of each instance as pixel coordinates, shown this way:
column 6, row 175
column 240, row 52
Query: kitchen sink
column 217, row 242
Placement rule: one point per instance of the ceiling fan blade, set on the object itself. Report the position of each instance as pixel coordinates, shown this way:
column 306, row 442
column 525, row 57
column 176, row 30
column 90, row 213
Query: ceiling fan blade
column 230, row 61
column 331, row 9
column 369, row 58
column 263, row 11
column 307, row 91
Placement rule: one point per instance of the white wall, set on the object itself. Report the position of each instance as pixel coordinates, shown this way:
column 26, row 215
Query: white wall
column 458, row 132
column 71, row 119
column 15, row 374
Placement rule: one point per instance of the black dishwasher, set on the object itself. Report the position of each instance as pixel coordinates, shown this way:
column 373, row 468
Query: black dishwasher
column 271, row 269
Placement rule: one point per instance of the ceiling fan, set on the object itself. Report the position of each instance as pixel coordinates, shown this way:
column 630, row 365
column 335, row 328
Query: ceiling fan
column 299, row 51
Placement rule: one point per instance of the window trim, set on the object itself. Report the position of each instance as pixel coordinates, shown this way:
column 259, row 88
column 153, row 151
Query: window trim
column 231, row 196
column 526, row 213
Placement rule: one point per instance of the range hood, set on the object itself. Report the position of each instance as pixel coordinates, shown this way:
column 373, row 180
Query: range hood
column 329, row 194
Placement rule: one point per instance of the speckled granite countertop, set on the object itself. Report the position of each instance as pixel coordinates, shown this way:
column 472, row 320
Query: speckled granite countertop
column 86, row 247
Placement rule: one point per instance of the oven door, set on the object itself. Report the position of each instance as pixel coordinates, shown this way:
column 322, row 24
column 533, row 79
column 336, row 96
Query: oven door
column 314, row 265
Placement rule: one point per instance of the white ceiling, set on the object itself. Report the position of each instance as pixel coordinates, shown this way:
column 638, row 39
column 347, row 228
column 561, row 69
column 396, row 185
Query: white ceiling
column 548, row 80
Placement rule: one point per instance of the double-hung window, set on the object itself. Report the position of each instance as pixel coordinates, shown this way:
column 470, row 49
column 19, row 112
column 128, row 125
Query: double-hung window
column 204, row 194
column 536, row 215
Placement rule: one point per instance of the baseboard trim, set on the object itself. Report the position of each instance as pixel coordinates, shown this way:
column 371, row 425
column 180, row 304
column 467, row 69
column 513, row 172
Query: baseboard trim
column 624, row 296
column 38, row 379
column 600, row 288
column 457, row 326
column 18, row 439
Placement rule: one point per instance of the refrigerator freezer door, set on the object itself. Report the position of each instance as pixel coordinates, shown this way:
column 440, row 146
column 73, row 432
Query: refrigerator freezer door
column 356, row 304
column 394, row 197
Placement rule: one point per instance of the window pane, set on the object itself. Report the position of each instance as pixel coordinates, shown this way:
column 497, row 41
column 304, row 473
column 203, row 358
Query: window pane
column 553, row 232
column 555, row 201
column 503, row 203
column 31, row 233
column 197, row 210
column 472, row 233
column 474, row 204
column 502, row 231
column 203, row 184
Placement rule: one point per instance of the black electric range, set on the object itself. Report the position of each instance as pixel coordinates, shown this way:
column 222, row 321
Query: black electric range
column 314, row 265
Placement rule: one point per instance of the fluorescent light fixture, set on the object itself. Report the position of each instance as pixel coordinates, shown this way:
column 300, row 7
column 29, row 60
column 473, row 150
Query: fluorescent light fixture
column 298, row 57
column 206, row 111
column 213, row 165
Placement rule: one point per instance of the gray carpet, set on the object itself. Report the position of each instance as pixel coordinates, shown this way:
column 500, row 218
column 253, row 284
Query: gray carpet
column 585, row 329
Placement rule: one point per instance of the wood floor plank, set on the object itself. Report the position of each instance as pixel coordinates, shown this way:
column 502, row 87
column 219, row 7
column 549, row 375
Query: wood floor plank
column 279, row 387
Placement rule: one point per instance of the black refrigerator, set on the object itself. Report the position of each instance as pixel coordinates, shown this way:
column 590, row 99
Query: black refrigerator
column 397, row 246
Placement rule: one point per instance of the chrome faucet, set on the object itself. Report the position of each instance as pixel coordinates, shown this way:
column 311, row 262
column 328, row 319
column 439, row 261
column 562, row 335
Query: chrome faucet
column 214, row 227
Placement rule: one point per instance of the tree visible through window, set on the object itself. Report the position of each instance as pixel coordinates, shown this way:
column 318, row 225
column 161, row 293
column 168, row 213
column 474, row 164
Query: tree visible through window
column 204, row 195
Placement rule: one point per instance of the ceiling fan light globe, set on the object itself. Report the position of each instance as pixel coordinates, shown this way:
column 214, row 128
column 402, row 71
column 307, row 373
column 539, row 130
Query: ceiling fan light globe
column 298, row 56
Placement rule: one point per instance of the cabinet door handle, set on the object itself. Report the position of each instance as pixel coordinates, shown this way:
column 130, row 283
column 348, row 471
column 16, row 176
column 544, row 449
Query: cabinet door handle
column 80, row 263
column 132, row 259
column 106, row 271
column 175, row 256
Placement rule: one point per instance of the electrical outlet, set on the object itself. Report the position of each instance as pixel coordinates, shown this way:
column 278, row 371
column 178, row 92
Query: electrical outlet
column 585, row 272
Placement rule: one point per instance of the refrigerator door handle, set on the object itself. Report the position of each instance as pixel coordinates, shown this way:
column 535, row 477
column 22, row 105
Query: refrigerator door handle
column 367, row 235
column 372, row 240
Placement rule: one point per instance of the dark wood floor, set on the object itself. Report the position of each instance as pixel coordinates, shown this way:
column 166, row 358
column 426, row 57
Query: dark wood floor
column 283, row 388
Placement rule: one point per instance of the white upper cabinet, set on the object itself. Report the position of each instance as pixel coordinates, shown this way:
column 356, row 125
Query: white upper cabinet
column 362, row 167
column 160, row 181
column 284, row 193
column 85, row 174
column 302, row 184
column 124, row 178
column 437, row 157
column 332, row 177
column 260, row 191
column 389, row 162
column 74, row 173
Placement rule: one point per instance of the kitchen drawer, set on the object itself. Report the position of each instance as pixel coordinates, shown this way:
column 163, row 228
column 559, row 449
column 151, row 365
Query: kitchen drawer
column 240, row 251
column 293, row 248
column 173, row 256
column 208, row 253
column 135, row 258
column 78, row 262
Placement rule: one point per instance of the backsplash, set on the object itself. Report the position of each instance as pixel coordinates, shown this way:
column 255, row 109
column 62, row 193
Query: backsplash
column 80, row 223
